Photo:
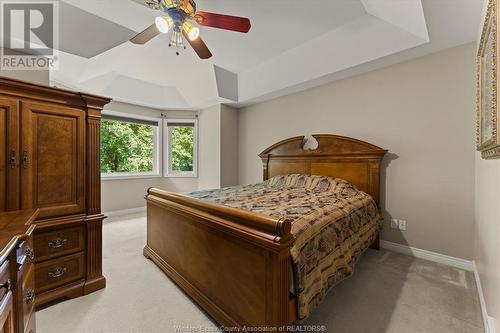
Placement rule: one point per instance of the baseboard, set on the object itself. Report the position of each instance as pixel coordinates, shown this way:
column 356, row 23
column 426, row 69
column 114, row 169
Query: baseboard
column 130, row 211
column 93, row 285
column 488, row 322
column 491, row 325
column 427, row 255
column 482, row 302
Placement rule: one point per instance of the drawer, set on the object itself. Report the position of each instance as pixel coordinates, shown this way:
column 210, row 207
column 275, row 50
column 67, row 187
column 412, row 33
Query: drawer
column 25, row 255
column 5, row 282
column 56, row 272
column 28, row 298
column 27, row 249
column 51, row 244
column 31, row 326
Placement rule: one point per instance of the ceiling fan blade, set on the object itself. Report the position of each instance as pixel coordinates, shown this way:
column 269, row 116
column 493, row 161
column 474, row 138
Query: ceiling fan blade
column 227, row 22
column 146, row 35
column 198, row 46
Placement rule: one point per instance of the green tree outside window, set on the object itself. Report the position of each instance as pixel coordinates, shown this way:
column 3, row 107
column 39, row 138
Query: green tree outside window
column 182, row 141
column 126, row 147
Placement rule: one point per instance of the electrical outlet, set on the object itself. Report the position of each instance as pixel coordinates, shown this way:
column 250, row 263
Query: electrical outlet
column 394, row 224
column 402, row 225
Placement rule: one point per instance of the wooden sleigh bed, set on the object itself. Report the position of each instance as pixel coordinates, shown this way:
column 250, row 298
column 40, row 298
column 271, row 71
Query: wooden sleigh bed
column 235, row 263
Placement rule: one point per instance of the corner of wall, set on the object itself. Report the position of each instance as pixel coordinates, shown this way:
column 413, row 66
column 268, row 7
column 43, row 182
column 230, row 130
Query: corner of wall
column 209, row 147
column 487, row 229
column 229, row 146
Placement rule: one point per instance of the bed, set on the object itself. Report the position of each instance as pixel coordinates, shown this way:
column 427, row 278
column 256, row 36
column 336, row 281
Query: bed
column 244, row 253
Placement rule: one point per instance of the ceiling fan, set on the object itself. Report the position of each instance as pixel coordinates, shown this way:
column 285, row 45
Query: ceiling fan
column 182, row 18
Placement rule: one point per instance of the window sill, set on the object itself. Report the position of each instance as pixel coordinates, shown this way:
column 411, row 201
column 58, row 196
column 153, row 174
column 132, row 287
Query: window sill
column 181, row 175
column 129, row 176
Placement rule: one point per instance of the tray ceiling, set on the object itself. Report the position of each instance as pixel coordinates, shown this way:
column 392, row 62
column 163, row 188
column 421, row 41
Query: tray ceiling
column 288, row 49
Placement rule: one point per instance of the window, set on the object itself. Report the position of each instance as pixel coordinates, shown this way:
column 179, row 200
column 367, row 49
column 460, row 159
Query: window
column 181, row 147
column 129, row 146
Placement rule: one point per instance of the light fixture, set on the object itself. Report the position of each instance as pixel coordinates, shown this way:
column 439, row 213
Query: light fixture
column 164, row 24
column 192, row 31
column 167, row 3
column 181, row 19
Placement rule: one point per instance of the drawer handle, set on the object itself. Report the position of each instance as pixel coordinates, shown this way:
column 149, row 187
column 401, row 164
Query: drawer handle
column 7, row 285
column 30, row 296
column 30, row 254
column 57, row 243
column 58, row 272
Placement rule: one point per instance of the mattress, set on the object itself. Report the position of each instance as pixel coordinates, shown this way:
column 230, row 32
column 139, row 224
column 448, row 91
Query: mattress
column 332, row 224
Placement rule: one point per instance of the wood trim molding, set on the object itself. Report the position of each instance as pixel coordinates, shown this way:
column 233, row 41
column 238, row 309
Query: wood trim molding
column 72, row 290
column 93, row 102
column 250, row 225
column 94, row 254
column 328, row 145
column 265, row 165
column 28, row 90
column 93, row 166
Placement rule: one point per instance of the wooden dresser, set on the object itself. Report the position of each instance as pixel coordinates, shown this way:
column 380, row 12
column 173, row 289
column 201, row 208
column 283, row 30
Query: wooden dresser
column 17, row 273
column 49, row 160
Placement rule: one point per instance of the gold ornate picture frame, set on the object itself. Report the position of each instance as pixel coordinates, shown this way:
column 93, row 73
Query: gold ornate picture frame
column 488, row 133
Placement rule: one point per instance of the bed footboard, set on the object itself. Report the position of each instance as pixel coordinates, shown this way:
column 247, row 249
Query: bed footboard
column 235, row 264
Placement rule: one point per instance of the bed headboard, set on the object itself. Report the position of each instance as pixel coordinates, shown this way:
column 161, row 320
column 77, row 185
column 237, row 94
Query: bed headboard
column 353, row 160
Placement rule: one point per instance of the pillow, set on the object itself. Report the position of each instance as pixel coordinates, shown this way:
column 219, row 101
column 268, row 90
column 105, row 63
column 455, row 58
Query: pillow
column 311, row 183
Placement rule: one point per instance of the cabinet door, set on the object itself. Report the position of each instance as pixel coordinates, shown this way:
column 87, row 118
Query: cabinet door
column 9, row 154
column 52, row 159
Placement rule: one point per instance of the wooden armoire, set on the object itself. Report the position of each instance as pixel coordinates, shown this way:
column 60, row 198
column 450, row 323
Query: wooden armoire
column 49, row 159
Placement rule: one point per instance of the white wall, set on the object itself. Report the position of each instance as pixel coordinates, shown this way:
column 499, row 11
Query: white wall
column 37, row 76
column 218, row 143
column 487, row 245
column 421, row 111
column 209, row 148
column 229, row 146
column 487, row 227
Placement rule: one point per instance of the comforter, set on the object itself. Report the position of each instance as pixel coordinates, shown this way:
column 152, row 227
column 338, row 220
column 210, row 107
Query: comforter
column 332, row 224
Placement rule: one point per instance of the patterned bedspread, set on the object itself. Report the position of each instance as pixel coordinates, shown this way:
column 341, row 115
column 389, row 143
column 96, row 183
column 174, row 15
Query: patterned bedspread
column 332, row 223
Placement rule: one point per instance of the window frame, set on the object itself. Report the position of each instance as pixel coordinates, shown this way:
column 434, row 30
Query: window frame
column 157, row 149
column 167, row 157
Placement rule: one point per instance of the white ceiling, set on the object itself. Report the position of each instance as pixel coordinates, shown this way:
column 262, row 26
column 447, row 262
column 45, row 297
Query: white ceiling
column 293, row 45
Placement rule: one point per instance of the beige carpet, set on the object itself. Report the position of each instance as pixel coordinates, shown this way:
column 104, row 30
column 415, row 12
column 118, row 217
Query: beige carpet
column 388, row 293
